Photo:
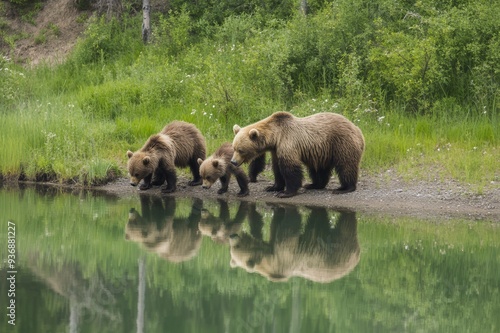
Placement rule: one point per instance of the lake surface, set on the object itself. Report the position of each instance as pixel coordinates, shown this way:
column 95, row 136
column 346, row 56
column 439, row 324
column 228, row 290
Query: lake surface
column 88, row 262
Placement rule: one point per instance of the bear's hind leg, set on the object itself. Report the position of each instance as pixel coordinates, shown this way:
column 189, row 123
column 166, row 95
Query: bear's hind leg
column 195, row 170
column 319, row 178
column 344, row 189
column 348, row 180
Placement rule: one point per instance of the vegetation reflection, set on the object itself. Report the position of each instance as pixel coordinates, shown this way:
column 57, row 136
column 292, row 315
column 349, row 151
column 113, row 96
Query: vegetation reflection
column 76, row 272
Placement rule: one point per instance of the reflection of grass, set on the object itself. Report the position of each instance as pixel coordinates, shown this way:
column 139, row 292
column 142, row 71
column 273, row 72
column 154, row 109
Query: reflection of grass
column 436, row 264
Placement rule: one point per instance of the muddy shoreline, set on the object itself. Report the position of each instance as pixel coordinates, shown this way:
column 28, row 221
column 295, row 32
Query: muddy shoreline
column 375, row 195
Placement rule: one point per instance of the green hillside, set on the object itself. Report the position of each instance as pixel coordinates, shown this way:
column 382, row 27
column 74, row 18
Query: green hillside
column 420, row 78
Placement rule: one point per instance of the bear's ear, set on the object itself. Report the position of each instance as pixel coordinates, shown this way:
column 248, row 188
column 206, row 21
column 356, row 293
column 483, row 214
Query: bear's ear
column 215, row 163
column 129, row 154
column 236, row 129
column 254, row 134
column 146, row 160
column 199, row 161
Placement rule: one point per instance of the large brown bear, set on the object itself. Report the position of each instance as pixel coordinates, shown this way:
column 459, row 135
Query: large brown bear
column 316, row 252
column 179, row 144
column 323, row 142
column 219, row 166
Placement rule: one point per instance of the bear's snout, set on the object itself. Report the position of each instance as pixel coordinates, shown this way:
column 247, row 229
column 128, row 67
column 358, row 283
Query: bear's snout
column 134, row 181
column 233, row 162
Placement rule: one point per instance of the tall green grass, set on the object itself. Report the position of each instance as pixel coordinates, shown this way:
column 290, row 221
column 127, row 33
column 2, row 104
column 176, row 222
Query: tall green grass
column 55, row 141
column 435, row 148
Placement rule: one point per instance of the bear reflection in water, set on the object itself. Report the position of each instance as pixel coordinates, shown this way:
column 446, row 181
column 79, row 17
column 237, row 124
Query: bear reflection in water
column 317, row 252
column 220, row 228
column 172, row 237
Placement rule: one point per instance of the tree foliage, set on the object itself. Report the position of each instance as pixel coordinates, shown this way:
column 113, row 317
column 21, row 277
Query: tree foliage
column 408, row 53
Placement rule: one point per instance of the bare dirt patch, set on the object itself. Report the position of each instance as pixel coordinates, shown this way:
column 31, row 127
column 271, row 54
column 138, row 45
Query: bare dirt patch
column 49, row 36
column 378, row 194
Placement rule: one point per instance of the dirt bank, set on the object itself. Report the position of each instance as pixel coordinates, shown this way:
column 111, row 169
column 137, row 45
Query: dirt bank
column 380, row 194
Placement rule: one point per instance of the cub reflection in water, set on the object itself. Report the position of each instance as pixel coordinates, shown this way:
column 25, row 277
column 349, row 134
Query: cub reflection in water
column 220, row 228
column 173, row 238
column 317, row 252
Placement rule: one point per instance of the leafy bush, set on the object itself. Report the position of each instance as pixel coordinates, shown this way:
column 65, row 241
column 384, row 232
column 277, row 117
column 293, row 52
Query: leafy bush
column 107, row 40
column 172, row 32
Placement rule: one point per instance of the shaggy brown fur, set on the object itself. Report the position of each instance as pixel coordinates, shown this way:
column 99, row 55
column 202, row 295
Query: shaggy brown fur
column 179, row 144
column 218, row 166
column 322, row 142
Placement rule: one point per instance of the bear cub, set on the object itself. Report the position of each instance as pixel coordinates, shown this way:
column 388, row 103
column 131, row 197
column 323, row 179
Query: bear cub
column 179, row 144
column 218, row 166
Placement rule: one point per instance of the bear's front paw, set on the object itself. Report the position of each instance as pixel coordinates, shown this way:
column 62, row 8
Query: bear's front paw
column 222, row 190
column 243, row 193
column 144, row 187
column 157, row 181
column 194, row 182
column 314, row 186
column 286, row 194
column 166, row 189
column 344, row 189
column 274, row 188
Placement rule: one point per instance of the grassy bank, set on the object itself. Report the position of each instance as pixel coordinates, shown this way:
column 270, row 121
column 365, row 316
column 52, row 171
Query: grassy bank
column 74, row 122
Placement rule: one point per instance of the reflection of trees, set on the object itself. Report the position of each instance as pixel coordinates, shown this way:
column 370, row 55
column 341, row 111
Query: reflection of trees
column 159, row 230
column 318, row 251
column 141, row 292
column 91, row 295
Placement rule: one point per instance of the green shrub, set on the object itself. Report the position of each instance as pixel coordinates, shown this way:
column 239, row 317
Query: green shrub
column 173, row 32
column 107, row 40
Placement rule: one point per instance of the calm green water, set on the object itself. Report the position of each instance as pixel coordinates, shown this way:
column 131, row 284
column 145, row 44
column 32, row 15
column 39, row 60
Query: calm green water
column 86, row 262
